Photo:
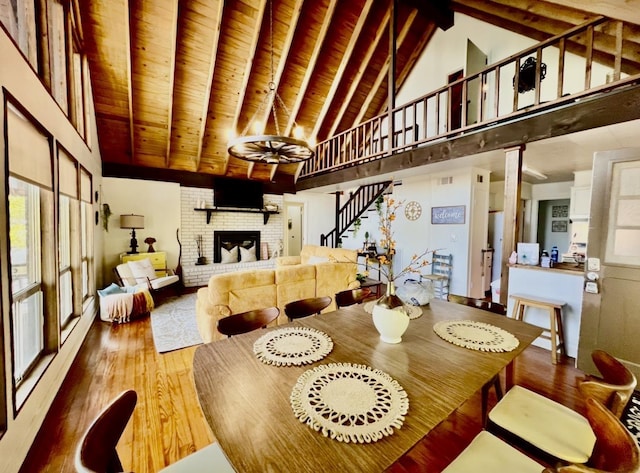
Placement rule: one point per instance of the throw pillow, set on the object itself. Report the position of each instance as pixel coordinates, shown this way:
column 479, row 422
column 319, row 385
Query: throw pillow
column 248, row 254
column 142, row 269
column 113, row 288
column 229, row 256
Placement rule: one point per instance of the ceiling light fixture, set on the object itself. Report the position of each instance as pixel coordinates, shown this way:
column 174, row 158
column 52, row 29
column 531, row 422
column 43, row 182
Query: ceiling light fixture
column 266, row 148
column 533, row 172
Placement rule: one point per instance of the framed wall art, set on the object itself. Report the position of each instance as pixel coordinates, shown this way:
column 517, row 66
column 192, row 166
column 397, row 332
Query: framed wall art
column 454, row 214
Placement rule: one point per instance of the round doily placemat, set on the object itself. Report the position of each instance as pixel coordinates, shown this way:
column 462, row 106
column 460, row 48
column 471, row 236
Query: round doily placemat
column 349, row 403
column 476, row 335
column 413, row 310
column 292, row 346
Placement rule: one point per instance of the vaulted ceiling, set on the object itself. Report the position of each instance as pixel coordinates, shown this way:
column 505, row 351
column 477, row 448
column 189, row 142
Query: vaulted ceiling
column 172, row 79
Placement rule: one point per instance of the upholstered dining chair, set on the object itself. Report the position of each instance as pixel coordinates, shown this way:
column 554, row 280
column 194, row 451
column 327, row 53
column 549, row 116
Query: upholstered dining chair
column 306, row 307
column 244, row 322
column 96, row 452
column 352, row 296
column 615, row 451
column 554, row 430
column 496, row 309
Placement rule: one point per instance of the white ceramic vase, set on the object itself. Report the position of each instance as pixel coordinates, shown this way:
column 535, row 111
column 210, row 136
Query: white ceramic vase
column 390, row 316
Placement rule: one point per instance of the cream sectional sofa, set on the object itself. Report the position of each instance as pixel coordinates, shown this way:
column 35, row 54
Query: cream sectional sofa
column 318, row 271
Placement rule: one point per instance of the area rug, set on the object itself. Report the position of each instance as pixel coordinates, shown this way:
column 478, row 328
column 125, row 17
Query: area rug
column 173, row 324
column 631, row 416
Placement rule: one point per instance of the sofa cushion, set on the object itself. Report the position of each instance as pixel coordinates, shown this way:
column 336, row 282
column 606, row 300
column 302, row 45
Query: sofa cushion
column 295, row 283
column 125, row 274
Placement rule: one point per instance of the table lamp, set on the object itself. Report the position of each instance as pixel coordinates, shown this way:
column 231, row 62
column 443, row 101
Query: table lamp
column 132, row 222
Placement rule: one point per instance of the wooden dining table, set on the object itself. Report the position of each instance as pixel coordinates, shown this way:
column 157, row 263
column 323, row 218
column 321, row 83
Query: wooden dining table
column 247, row 402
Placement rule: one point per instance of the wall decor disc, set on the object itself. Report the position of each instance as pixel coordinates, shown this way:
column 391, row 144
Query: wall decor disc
column 413, row 210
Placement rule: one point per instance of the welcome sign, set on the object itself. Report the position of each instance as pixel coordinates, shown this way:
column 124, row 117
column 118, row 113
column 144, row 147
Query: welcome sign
column 448, row 215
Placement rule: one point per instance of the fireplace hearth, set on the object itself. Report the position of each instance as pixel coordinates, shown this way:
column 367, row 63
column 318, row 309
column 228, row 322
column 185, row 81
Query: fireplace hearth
column 230, row 239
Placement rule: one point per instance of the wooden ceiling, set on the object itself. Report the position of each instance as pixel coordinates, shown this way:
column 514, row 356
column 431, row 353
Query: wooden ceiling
column 173, row 78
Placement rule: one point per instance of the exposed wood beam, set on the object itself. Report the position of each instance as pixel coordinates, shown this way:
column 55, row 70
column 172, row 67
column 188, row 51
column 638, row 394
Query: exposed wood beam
column 247, row 71
column 130, row 86
column 172, row 77
column 199, row 30
column 382, row 28
column 385, row 68
column 415, row 55
column 512, row 212
column 302, row 90
column 284, row 55
column 437, row 11
column 627, row 10
column 355, row 34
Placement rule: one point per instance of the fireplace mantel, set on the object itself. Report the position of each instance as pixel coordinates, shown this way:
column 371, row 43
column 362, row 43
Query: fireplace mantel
column 265, row 213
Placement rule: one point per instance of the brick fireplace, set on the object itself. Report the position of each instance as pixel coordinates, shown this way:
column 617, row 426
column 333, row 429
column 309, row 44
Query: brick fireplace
column 194, row 223
column 229, row 239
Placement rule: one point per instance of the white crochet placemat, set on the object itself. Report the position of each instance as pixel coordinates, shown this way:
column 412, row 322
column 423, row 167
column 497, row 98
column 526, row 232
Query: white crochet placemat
column 413, row 310
column 292, row 346
column 349, row 403
column 476, row 335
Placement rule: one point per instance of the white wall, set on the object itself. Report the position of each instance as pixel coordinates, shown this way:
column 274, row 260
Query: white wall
column 318, row 215
column 159, row 202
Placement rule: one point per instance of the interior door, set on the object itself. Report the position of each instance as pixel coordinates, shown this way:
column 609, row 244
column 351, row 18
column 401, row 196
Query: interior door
column 293, row 229
column 610, row 317
column 476, row 61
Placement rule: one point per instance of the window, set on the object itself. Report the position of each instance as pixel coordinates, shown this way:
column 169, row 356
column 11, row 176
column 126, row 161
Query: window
column 86, row 234
column 18, row 17
column 26, row 283
column 58, row 53
column 32, row 252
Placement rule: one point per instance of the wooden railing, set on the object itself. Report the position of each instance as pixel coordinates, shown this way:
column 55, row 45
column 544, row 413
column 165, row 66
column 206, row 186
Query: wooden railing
column 545, row 75
column 359, row 201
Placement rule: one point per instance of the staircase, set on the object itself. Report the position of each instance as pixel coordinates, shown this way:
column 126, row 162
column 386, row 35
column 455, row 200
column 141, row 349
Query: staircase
column 359, row 201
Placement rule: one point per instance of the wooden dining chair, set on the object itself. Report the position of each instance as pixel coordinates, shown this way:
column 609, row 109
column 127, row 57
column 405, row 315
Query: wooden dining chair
column 555, row 430
column 352, row 296
column 306, row 307
column 614, row 388
column 615, row 451
column 478, row 303
column 96, row 452
column 244, row 322
column 496, row 309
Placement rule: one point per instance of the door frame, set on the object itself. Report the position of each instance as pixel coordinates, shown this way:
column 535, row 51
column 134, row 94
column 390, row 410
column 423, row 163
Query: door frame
column 285, row 223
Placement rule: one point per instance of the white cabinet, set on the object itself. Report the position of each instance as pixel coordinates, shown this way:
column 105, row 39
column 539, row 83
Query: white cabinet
column 580, row 203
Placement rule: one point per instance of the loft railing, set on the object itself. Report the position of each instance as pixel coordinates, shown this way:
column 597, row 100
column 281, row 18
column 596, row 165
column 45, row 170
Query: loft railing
column 591, row 58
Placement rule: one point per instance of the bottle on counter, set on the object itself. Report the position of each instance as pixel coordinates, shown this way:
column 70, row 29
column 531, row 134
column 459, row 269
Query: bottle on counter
column 554, row 254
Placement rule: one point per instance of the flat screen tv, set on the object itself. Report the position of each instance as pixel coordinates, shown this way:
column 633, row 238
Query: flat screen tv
column 237, row 193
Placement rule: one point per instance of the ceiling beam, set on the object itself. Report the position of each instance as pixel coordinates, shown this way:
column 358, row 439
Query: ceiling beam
column 198, row 36
column 302, row 90
column 364, row 64
column 337, row 78
column 437, row 11
column 172, row 78
column 382, row 74
column 627, row 10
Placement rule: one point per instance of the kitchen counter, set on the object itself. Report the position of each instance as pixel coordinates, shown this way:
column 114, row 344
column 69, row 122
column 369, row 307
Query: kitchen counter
column 571, row 268
column 563, row 282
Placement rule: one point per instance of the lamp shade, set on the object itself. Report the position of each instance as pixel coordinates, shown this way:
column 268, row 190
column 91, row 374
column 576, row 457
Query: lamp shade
column 131, row 221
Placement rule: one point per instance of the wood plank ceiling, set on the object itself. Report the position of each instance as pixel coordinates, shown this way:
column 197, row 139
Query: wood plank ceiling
column 173, row 78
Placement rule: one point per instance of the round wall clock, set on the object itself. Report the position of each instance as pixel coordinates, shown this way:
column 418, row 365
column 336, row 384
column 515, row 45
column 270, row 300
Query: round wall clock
column 413, row 210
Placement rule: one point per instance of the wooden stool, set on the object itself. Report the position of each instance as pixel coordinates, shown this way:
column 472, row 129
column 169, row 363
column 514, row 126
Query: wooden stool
column 555, row 330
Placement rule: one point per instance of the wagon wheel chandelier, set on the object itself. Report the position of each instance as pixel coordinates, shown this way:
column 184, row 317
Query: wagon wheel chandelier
column 276, row 148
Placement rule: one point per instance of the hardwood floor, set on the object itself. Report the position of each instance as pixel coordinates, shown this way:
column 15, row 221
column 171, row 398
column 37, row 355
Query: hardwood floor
column 168, row 423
